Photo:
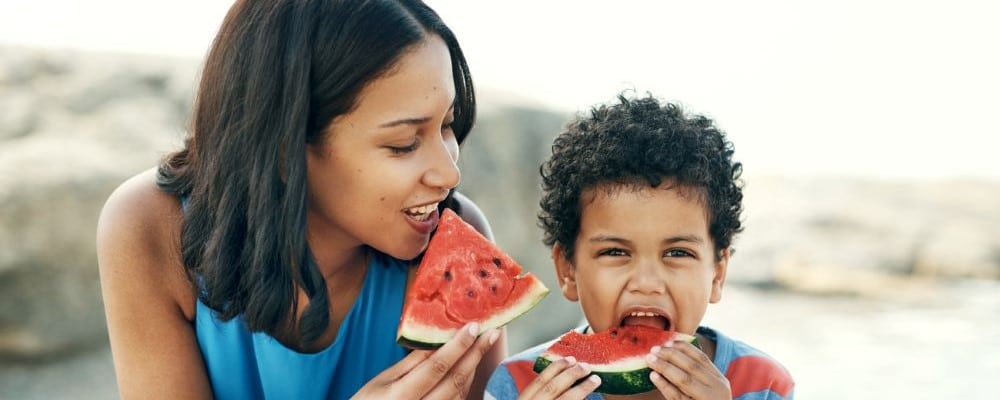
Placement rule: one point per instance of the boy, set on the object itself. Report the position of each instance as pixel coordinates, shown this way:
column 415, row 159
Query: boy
column 640, row 204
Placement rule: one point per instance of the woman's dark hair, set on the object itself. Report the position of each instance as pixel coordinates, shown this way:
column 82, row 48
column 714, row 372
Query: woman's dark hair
column 278, row 73
column 639, row 142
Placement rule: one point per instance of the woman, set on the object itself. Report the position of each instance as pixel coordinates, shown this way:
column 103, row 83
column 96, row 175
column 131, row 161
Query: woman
column 267, row 257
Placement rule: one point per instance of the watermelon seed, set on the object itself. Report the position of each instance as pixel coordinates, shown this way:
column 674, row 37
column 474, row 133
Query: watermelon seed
column 497, row 262
column 614, row 332
column 635, row 340
column 470, row 293
column 493, row 288
column 447, row 275
column 483, row 273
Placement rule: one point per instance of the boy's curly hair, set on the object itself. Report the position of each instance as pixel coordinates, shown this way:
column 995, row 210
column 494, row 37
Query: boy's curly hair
column 634, row 142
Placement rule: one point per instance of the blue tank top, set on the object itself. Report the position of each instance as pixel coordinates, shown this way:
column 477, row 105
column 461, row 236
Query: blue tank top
column 253, row 365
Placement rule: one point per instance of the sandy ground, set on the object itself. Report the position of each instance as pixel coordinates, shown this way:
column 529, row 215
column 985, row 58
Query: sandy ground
column 87, row 375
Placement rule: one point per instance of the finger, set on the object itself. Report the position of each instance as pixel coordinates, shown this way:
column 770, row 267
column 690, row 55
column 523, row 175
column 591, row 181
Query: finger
column 667, row 389
column 429, row 373
column 680, row 379
column 695, row 369
column 565, row 380
column 543, row 382
column 456, row 383
column 582, row 389
column 691, row 351
column 404, row 366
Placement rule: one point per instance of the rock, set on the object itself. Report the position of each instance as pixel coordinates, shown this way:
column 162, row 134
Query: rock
column 59, row 161
column 499, row 163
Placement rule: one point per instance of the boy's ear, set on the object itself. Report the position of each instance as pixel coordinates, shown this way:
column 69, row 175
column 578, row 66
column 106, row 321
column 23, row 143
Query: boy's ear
column 564, row 273
column 719, row 279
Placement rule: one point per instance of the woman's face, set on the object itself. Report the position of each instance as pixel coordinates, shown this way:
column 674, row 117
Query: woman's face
column 379, row 174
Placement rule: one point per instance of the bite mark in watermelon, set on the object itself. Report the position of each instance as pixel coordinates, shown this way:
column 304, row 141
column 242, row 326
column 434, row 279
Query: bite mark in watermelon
column 462, row 278
column 617, row 355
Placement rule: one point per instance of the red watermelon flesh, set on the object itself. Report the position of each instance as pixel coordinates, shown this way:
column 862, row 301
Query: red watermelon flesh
column 462, row 278
column 616, row 355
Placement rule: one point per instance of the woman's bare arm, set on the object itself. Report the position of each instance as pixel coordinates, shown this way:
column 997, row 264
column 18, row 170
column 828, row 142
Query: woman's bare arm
column 148, row 300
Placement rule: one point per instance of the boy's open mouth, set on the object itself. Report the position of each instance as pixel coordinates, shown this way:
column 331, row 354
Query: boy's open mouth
column 650, row 317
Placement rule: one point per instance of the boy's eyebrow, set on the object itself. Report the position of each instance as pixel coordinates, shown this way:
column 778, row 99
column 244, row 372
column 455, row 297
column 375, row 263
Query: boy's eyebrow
column 684, row 238
column 606, row 238
column 670, row 240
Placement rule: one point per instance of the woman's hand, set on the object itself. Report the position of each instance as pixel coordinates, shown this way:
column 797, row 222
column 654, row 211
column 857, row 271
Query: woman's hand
column 557, row 382
column 682, row 372
column 445, row 373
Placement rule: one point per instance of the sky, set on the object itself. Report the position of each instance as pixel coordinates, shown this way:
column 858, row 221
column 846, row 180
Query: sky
column 882, row 89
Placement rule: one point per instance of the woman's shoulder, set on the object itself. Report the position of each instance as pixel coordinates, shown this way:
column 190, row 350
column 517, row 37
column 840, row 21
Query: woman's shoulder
column 471, row 214
column 138, row 243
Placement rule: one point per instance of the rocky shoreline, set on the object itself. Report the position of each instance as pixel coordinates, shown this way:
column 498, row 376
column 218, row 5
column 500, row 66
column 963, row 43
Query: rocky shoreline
column 75, row 125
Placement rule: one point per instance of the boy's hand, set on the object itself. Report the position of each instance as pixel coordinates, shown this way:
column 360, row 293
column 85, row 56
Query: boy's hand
column 557, row 382
column 681, row 371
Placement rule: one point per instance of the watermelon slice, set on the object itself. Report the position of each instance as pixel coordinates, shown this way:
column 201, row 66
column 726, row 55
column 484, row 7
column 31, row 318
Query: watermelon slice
column 463, row 278
column 617, row 355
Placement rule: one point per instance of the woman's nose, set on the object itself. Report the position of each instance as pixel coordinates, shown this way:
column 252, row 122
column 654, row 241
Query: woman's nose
column 443, row 171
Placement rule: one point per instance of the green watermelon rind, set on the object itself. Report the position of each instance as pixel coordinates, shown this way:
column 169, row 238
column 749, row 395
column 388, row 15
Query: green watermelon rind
column 415, row 335
column 623, row 377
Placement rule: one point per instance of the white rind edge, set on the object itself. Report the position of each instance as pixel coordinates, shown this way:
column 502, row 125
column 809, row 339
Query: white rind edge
column 417, row 332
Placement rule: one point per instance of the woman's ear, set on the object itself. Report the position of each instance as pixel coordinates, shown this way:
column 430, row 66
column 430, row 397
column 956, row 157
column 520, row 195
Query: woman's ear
column 719, row 279
column 564, row 273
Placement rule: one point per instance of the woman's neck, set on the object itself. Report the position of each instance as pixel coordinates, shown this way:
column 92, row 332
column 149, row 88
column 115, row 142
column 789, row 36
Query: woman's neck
column 335, row 252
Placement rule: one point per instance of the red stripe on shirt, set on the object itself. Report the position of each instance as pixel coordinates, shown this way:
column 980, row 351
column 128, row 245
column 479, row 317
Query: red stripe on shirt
column 753, row 373
column 522, row 372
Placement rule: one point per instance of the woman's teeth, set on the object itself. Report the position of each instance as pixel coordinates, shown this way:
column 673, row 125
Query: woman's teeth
column 421, row 213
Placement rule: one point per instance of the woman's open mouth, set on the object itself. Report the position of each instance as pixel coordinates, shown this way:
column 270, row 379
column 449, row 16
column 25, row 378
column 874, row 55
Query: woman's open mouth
column 422, row 218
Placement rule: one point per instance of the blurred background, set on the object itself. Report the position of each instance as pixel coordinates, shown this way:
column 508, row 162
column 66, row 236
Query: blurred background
column 870, row 263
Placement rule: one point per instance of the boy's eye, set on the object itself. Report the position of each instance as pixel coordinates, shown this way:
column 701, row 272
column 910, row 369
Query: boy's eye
column 404, row 149
column 677, row 253
column 613, row 252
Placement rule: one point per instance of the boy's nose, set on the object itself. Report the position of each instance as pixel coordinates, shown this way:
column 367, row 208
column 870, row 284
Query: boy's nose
column 646, row 278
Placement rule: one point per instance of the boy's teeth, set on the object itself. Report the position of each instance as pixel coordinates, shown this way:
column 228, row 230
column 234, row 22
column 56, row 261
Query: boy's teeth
column 642, row 314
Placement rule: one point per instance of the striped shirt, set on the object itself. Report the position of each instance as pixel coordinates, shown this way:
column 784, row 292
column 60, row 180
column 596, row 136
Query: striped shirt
column 752, row 374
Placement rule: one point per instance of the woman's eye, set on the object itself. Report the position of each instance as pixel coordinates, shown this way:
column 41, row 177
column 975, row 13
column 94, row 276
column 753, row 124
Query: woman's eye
column 404, row 149
column 677, row 253
column 613, row 252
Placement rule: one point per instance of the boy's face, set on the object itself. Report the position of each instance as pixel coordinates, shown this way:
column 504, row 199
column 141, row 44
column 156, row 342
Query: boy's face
column 643, row 256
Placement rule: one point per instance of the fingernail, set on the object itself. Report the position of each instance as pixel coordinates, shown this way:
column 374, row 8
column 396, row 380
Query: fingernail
column 654, row 376
column 650, row 358
column 570, row 360
column 494, row 336
column 669, row 344
column 594, row 378
column 655, row 349
column 474, row 329
column 585, row 366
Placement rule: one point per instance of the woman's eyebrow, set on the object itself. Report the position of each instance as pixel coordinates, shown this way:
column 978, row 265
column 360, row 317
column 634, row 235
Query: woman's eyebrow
column 413, row 120
column 405, row 121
